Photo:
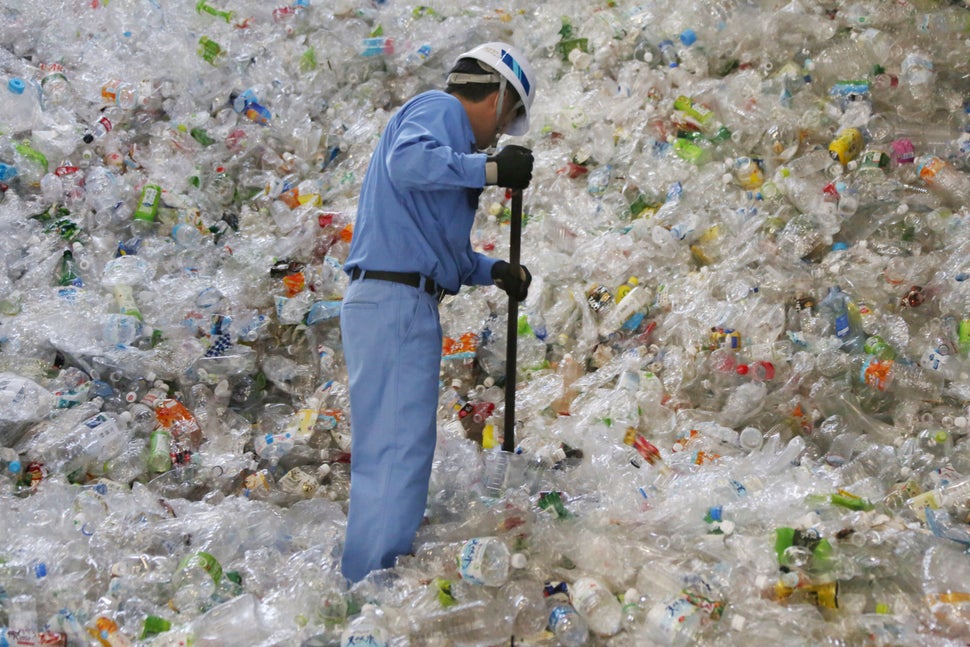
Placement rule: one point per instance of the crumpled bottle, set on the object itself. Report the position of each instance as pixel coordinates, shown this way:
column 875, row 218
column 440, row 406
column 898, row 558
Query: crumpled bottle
column 487, row 561
column 367, row 629
column 565, row 622
column 99, row 438
column 843, row 313
column 597, row 604
column 22, row 401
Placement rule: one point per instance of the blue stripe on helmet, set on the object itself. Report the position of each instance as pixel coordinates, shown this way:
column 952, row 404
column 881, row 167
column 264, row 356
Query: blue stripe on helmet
column 519, row 74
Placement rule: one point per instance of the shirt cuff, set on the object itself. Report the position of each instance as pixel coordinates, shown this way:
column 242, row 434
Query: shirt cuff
column 491, row 173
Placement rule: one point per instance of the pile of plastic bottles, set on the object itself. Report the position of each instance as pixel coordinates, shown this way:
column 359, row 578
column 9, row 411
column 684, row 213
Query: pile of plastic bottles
column 742, row 378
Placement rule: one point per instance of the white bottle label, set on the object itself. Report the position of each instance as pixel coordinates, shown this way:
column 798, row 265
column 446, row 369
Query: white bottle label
column 675, row 619
column 471, row 561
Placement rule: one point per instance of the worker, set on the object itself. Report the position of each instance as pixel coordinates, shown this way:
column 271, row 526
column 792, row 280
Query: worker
column 411, row 247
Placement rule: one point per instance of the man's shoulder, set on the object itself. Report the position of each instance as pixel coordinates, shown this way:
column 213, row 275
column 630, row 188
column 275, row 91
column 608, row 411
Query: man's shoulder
column 432, row 97
column 433, row 106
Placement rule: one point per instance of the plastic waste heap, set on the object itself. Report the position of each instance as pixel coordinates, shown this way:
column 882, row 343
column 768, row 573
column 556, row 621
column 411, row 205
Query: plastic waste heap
column 742, row 382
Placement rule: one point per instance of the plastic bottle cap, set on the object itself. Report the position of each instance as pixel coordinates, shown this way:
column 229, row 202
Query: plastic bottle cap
column 960, row 422
column 16, row 85
column 751, row 438
column 519, row 560
column 688, row 37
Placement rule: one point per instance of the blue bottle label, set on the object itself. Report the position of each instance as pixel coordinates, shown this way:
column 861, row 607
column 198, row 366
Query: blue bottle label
column 842, row 325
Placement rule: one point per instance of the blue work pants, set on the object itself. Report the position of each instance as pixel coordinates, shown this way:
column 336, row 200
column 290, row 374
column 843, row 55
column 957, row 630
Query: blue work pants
column 391, row 337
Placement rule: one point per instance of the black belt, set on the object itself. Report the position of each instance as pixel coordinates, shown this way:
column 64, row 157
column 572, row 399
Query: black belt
column 414, row 279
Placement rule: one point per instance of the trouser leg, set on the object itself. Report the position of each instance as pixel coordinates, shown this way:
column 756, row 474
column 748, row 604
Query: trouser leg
column 392, row 346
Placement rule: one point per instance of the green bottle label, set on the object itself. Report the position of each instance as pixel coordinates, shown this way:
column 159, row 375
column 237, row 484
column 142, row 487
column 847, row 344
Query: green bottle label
column 154, row 626
column 147, row 208
column 963, row 336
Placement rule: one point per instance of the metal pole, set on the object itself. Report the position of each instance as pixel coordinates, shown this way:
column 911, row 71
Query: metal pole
column 511, row 336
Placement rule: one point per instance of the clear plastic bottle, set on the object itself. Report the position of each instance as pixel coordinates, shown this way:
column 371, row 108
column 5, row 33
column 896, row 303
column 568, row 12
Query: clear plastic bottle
column 951, row 184
column 175, row 416
column 843, row 312
column 918, row 77
column 97, row 129
column 108, row 633
column 593, row 599
column 234, row 622
column 951, row 495
column 10, row 466
column 905, row 381
column 631, row 302
column 159, row 451
column 97, row 439
column 146, row 211
column 677, row 605
column 124, row 94
column 485, row 561
column 196, row 579
column 566, row 623
column 55, row 88
column 527, row 606
column 22, row 401
column 367, row 629
column 18, row 106
column 464, row 624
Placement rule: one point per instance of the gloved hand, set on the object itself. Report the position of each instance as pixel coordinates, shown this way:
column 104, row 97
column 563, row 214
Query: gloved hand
column 511, row 167
column 514, row 286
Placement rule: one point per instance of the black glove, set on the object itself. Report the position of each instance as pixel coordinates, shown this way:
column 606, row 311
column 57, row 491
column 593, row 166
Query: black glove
column 514, row 286
column 511, row 167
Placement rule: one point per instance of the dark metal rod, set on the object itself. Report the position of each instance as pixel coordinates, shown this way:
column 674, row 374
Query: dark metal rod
column 511, row 337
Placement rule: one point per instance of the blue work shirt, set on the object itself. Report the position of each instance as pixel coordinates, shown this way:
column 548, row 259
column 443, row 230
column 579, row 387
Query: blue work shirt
column 419, row 196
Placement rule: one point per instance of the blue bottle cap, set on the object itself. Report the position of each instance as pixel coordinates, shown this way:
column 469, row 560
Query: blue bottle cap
column 837, row 247
column 688, row 37
column 16, row 85
column 7, row 172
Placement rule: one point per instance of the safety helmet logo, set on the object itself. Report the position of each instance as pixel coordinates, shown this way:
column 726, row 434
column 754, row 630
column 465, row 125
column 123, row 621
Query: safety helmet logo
column 517, row 71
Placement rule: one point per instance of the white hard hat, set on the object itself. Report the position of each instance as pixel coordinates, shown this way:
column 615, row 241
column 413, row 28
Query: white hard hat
column 512, row 68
